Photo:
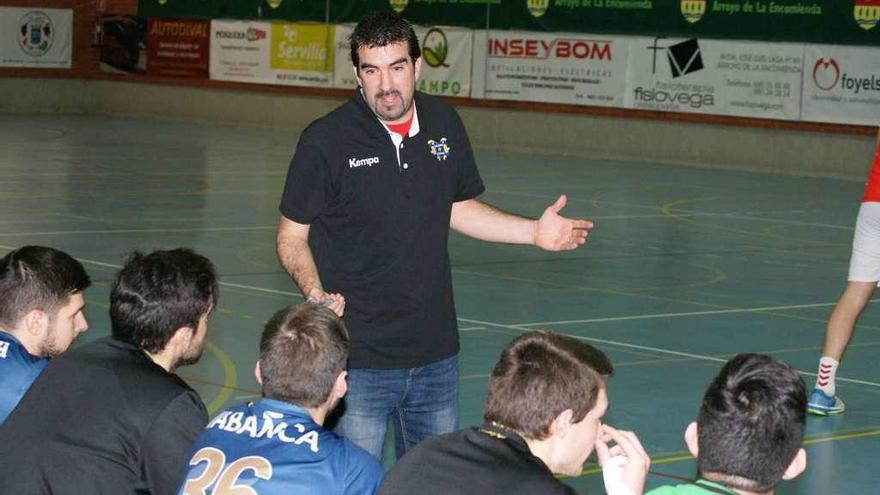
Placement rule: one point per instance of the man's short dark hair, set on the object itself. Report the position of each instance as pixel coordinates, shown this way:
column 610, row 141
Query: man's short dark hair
column 383, row 28
column 539, row 375
column 751, row 423
column 302, row 351
column 37, row 277
column 155, row 294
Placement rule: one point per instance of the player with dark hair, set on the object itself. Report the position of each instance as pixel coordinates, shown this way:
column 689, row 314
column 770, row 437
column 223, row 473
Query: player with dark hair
column 111, row 416
column 543, row 416
column 750, row 430
column 41, row 313
column 370, row 196
column 278, row 445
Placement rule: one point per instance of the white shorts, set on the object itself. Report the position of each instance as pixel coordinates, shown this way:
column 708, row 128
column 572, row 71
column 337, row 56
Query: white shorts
column 864, row 265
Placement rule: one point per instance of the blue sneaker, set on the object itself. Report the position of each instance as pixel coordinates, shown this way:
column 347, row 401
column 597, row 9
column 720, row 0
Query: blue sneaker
column 821, row 404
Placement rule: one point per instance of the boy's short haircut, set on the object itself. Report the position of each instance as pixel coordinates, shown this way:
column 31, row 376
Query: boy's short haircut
column 302, row 351
column 37, row 277
column 539, row 375
column 751, row 423
column 157, row 293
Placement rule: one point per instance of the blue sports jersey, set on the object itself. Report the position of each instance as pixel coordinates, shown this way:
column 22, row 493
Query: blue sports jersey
column 275, row 448
column 18, row 369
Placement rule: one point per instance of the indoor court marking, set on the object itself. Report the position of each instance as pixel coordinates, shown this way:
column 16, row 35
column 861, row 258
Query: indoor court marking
column 685, row 267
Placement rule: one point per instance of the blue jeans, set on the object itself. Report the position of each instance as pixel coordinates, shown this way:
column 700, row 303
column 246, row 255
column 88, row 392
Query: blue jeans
column 421, row 402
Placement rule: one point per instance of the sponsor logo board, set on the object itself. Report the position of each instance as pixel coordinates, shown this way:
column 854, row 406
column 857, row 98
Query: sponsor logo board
column 287, row 54
column 240, row 51
column 715, row 77
column 841, row 84
column 560, row 67
column 178, row 47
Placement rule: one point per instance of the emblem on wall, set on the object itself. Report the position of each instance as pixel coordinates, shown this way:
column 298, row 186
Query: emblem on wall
column 398, row 5
column 866, row 13
column 36, row 33
column 537, row 7
column 693, row 10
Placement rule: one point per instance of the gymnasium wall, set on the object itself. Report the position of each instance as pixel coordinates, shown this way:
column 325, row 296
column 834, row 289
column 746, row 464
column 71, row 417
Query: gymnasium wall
column 770, row 146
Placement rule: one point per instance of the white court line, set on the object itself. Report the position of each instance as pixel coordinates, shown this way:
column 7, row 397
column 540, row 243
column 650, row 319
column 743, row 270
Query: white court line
column 679, row 315
column 226, row 284
column 523, row 328
column 136, row 231
column 272, row 227
column 671, row 215
column 700, row 357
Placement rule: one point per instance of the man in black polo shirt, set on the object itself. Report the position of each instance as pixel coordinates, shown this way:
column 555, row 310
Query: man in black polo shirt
column 370, row 196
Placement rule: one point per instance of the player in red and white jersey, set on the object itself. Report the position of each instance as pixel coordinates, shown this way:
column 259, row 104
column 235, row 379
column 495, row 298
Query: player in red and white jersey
column 864, row 276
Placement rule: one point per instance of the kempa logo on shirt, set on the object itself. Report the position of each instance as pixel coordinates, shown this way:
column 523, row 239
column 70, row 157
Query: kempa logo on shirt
column 363, row 162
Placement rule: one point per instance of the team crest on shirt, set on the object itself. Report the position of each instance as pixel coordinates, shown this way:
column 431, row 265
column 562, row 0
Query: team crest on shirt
column 440, row 149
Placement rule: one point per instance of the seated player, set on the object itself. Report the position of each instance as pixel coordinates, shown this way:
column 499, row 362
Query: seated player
column 278, row 445
column 41, row 313
column 112, row 417
column 748, row 435
column 542, row 417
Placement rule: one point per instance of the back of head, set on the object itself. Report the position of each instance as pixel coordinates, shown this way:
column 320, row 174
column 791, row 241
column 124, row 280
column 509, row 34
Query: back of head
column 37, row 277
column 302, row 351
column 383, row 28
column 541, row 374
column 156, row 294
column 751, row 423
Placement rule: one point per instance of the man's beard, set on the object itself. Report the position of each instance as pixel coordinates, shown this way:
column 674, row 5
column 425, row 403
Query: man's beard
column 188, row 359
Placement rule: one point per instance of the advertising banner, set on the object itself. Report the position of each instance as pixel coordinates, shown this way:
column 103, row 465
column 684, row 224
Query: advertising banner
column 446, row 60
column 842, row 84
column 36, row 37
column 302, row 54
column 558, row 68
column 240, row 51
column 178, row 48
column 272, row 53
column 746, row 79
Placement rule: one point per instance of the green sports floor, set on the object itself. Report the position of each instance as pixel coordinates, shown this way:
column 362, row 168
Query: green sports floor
column 685, row 268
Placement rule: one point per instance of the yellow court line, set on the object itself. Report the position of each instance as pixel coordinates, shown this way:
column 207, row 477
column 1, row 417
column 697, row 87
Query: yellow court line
column 230, row 377
column 850, row 436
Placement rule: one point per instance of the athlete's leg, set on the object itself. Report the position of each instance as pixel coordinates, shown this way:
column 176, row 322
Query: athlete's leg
column 843, row 319
column 823, row 398
column 864, row 272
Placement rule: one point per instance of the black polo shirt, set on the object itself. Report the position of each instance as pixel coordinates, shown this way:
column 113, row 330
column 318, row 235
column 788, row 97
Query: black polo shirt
column 380, row 225
column 486, row 460
column 100, row 419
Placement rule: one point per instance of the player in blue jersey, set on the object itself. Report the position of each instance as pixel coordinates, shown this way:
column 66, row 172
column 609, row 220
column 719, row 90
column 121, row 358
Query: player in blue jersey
column 41, row 313
column 278, row 445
